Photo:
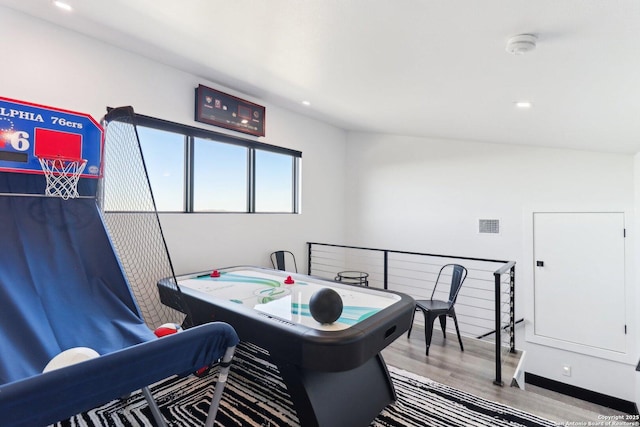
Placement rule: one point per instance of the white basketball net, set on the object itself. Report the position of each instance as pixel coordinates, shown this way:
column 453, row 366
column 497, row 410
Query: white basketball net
column 62, row 176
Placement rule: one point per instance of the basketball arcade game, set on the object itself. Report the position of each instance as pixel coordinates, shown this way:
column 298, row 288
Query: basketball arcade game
column 62, row 283
column 334, row 372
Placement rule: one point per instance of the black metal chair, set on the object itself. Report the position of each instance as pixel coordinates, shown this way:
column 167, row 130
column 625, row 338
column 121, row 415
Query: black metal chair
column 282, row 260
column 436, row 309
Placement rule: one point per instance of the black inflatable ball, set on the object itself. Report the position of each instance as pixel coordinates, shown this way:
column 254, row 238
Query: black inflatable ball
column 325, row 305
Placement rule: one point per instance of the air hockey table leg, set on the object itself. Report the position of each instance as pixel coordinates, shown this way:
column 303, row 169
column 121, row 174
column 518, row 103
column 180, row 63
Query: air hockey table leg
column 339, row 399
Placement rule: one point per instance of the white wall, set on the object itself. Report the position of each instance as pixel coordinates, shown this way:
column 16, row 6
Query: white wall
column 426, row 195
column 48, row 65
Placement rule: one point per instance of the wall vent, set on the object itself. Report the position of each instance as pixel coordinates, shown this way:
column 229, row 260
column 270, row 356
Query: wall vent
column 489, row 226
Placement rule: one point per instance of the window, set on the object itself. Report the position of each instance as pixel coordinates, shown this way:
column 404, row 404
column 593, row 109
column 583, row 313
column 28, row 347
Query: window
column 164, row 159
column 275, row 174
column 195, row 170
column 219, row 177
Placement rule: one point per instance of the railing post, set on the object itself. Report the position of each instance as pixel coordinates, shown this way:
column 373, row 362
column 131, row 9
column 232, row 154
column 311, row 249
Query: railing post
column 309, row 258
column 386, row 269
column 512, row 309
column 498, row 380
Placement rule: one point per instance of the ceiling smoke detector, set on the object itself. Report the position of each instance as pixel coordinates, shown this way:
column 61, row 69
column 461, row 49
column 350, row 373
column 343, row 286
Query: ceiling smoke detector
column 521, row 44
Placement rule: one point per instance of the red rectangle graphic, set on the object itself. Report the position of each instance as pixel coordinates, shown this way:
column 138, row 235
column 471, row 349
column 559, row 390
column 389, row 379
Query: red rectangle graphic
column 53, row 143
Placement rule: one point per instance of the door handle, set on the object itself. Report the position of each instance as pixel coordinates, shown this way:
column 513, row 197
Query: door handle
column 539, row 263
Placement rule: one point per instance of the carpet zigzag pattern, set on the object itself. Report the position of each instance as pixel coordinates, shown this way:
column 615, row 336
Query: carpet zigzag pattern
column 256, row 396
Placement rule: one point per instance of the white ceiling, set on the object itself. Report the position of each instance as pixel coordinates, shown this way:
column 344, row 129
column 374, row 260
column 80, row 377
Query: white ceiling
column 435, row 68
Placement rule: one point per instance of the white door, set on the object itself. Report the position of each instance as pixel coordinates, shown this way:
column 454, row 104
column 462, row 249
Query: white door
column 579, row 289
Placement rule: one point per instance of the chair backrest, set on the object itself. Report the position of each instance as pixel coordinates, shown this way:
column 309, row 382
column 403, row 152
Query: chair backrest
column 458, row 274
column 284, row 260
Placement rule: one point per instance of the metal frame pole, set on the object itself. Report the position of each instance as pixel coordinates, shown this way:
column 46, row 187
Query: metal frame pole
column 498, row 380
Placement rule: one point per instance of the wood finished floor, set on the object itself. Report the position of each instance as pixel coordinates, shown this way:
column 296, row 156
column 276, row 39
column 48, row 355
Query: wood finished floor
column 473, row 371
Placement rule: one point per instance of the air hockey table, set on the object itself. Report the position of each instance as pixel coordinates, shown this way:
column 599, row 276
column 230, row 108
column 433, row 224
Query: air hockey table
column 334, row 372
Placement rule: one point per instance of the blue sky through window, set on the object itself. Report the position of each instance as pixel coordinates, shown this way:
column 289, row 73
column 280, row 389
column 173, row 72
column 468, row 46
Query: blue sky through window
column 220, row 177
column 164, row 158
column 274, row 182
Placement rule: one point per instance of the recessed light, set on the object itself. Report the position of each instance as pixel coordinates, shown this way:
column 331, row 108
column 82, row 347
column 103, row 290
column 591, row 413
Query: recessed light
column 523, row 104
column 306, row 103
column 62, row 5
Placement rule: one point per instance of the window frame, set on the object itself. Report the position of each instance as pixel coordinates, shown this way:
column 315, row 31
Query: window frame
column 191, row 133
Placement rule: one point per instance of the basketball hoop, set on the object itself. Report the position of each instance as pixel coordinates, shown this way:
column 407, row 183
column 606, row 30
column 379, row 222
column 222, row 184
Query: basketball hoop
column 62, row 175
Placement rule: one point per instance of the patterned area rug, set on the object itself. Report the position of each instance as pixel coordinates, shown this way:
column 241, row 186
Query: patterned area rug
column 256, row 396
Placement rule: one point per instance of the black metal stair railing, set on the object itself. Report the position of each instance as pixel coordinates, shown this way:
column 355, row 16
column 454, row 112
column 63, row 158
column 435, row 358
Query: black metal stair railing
column 486, row 304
